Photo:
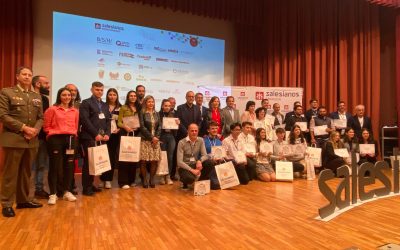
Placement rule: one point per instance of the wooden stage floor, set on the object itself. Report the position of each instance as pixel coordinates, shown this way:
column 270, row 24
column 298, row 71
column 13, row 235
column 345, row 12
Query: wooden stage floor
column 257, row 216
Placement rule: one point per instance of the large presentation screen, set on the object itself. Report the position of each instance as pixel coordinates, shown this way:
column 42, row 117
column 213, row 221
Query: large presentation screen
column 121, row 56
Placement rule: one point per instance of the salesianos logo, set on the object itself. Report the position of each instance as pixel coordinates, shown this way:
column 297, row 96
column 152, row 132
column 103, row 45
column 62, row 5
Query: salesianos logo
column 108, row 27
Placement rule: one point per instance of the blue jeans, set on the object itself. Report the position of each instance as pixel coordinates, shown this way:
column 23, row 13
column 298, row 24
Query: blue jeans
column 40, row 165
column 168, row 144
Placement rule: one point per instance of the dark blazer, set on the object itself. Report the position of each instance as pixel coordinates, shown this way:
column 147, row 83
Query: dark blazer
column 309, row 114
column 146, row 125
column 292, row 120
column 226, row 130
column 354, row 123
column 288, row 115
column 276, row 121
column 89, row 120
column 203, row 123
column 335, row 115
column 187, row 115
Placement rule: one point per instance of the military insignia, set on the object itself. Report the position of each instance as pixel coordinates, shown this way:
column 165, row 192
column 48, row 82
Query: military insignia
column 36, row 101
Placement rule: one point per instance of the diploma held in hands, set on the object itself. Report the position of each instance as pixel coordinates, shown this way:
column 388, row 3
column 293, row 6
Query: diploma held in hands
column 302, row 125
column 218, row 152
column 131, row 121
column 340, row 123
column 367, row 149
column 342, row 152
column 169, row 123
column 320, row 130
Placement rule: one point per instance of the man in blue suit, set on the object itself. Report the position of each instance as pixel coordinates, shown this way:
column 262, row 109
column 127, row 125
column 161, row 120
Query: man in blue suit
column 199, row 98
column 95, row 121
column 341, row 114
column 187, row 113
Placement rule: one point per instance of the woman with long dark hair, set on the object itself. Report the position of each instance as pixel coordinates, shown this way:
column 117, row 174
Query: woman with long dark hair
column 214, row 113
column 249, row 114
column 264, row 170
column 128, row 113
column 333, row 161
column 112, row 100
column 61, row 126
column 366, row 138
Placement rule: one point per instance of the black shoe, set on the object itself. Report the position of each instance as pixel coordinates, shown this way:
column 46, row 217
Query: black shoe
column 31, row 204
column 173, row 178
column 74, row 192
column 88, row 192
column 185, row 186
column 96, row 189
column 8, row 212
column 41, row 194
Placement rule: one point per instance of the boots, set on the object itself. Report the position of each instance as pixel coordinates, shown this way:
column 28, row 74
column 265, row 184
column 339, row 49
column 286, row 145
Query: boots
column 143, row 171
column 153, row 169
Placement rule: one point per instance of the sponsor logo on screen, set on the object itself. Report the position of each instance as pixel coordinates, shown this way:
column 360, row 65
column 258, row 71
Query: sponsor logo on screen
column 121, row 64
column 108, row 27
column 122, row 43
column 158, row 59
column 143, row 67
column 207, row 92
column 104, row 40
column 101, row 73
column 114, row 75
column 180, row 71
column 127, row 77
column 194, row 42
column 126, row 54
column 104, row 52
column 146, row 58
column 139, row 46
column 173, row 51
column 101, row 62
column 181, row 62
column 141, row 78
column 160, row 49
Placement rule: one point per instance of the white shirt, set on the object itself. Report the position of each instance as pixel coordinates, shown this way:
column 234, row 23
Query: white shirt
column 231, row 146
column 361, row 120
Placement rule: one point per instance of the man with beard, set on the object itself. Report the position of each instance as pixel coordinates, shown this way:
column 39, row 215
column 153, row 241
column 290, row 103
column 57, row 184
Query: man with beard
column 321, row 137
column 41, row 85
column 140, row 93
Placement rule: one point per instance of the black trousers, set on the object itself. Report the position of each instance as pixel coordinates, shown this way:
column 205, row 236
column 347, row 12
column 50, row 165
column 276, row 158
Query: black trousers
column 251, row 168
column 242, row 173
column 61, row 164
column 126, row 172
column 113, row 151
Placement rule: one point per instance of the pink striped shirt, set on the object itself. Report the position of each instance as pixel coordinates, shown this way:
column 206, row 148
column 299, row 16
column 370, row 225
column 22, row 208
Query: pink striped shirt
column 58, row 121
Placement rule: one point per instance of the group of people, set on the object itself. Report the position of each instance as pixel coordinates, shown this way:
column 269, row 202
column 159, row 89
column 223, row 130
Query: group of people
column 36, row 134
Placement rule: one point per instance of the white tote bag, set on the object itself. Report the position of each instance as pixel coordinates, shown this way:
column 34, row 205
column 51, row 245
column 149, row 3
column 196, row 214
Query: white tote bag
column 129, row 149
column 99, row 160
column 315, row 155
column 284, row 170
column 310, row 169
column 226, row 175
column 162, row 168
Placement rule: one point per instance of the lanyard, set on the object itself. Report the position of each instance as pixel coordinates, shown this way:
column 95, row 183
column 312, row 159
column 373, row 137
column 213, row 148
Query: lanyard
column 235, row 144
column 192, row 146
column 213, row 142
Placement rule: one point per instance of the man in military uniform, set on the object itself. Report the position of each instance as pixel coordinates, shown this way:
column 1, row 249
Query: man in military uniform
column 22, row 116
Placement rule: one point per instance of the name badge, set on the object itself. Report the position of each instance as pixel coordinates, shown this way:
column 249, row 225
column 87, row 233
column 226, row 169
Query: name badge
column 70, row 151
column 192, row 159
column 101, row 116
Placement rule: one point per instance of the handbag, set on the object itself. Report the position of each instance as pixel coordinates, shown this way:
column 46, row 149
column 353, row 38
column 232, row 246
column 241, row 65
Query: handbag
column 129, row 148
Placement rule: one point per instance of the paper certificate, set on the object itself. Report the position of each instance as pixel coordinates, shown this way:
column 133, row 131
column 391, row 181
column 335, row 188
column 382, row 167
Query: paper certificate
column 284, row 170
column 250, row 147
column 201, row 187
column 342, row 152
column 302, row 125
column 320, row 130
column 131, row 121
column 259, row 124
column 285, row 150
column 266, row 147
column 298, row 149
column 239, row 157
column 367, row 149
column 218, row 152
column 340, row 123
column 169, row 123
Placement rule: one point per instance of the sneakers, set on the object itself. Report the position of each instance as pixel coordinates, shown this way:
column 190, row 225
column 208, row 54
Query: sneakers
column 162, row 180
column 69, row 197
column 52, row 199
column 107, row 184
column 125, row 187
column 169, row 181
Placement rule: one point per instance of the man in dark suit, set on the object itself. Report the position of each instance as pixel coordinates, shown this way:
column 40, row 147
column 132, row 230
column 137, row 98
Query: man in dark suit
column 21, row 113
column 341, row 114
column 41, row 85
column 359, row 121
column 95, row 121
column 313, row 111
column 230, row 114
column 291, row 113
column 187, row 113
column 298, row 117
column 199, row 98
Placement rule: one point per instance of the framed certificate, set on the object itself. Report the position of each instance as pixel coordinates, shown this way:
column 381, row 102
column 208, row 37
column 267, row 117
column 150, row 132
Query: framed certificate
column 131, row 121
column 367, row 149
column 218, row 152
column 169, row 123
column 266, row 147
column 284, row 170
column 340, row 123
column 342, row 152
column 320, row 130
column 302, row 125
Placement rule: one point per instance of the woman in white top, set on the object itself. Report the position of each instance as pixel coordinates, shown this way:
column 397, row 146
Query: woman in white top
column 249, row 115
column 263, row 122
column 264, row 170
